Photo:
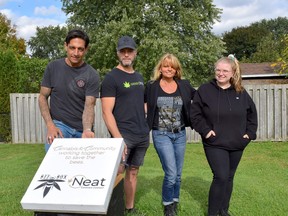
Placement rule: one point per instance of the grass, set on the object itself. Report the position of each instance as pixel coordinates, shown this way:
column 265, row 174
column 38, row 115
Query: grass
column 260, row 185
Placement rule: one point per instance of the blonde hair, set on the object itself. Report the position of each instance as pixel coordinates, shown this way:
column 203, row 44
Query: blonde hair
column 173, row 61
column 236, row 79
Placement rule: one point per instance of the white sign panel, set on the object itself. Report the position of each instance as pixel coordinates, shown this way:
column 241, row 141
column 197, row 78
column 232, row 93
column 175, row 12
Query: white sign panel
column 75, row 176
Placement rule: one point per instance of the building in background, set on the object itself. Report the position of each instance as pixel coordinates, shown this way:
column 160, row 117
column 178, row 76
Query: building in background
column 261, row 73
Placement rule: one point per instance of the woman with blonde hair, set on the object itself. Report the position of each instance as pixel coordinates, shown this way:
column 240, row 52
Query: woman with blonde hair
column 168, row 99
column 225, row 116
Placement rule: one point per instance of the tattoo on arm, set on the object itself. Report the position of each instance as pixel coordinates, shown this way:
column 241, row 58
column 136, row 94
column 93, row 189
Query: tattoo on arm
column 88, row 113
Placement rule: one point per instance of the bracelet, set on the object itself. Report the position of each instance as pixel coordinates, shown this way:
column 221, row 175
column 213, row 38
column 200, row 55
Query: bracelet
column 88, row 129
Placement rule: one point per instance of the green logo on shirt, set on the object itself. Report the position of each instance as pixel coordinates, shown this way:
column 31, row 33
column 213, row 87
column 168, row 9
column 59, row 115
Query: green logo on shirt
column 126, row 85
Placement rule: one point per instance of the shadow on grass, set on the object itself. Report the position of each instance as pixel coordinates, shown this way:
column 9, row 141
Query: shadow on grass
column 193, row 197
column 147, row 185
column 198, row 190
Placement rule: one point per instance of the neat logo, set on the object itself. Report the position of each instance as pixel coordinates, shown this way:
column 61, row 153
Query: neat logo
column 50, row 182
column 81, row 181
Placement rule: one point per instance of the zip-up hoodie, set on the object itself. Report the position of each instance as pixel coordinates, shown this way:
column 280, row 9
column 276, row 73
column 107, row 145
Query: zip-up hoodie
column 228, row 113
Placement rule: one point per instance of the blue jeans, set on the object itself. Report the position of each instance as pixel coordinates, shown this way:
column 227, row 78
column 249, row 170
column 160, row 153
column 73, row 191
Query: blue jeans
column 170, row 148
column 67, row 132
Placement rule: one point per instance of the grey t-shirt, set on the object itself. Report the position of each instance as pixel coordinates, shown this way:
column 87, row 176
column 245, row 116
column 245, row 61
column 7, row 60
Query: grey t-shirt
column 169, row 107
column 69, row 87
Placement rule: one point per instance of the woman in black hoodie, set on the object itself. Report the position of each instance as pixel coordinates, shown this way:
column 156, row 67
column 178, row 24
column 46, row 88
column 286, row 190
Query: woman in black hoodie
column 225, row 116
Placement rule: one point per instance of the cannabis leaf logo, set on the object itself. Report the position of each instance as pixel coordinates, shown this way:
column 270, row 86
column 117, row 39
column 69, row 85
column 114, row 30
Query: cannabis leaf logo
column 126, row 85
column 49, row 184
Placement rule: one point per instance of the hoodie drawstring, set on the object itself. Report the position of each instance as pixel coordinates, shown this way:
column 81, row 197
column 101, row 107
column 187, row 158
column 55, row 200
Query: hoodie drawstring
column 218, row 103
column 218, row 106
column 228, row 100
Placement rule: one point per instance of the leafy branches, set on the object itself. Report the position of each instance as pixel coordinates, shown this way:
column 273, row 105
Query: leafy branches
column 179, row 27
column 282, row 62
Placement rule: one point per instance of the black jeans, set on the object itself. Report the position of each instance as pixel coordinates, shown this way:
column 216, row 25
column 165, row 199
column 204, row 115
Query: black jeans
column 223, row 164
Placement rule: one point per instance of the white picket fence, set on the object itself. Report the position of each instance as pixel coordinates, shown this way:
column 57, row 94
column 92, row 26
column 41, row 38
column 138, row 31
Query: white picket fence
column 271, row 101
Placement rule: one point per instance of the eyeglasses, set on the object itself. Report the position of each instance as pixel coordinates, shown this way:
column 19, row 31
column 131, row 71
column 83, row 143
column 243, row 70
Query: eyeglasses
column 223, row 71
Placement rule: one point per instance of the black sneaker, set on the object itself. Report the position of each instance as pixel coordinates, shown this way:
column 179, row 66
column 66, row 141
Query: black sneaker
column 134, row 211
column 175, row 208
column 169, row 210
column 131, row 210
column 224, row 213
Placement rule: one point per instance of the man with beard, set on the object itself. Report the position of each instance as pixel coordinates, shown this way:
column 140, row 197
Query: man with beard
column 122, row 97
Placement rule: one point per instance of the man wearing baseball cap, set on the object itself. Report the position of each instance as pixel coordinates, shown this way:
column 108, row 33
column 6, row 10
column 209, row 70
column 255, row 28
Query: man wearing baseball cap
column 126, row 42
column 122, row 98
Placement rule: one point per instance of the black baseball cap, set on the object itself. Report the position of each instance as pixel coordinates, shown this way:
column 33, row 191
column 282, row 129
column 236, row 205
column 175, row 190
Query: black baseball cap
column 126, row 42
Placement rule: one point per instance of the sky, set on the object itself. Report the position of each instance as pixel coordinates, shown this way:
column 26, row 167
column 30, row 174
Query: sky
column 26, row 15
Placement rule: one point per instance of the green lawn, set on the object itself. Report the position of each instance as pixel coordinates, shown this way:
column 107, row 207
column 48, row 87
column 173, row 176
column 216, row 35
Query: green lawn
column 260, row 186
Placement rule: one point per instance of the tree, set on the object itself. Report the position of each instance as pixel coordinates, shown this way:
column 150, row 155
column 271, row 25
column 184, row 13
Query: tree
column 267, row 50
column 8, row 84
column 18, row 73
column 11, row 48
column 8, row 38
column 180, row 27
column 243, row 41
column 282, row 62
column 278, row 26
column 261, row 41
column 48, row 42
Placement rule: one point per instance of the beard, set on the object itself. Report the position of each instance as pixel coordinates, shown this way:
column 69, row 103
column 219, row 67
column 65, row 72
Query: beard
column 126, row 63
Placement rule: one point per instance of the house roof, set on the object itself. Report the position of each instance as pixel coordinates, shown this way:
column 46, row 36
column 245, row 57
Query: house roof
column 257, row 68
column 260, row 71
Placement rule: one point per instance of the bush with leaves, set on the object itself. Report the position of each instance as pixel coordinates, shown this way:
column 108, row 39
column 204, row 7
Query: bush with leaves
column 8, row 83
column 17, row 75
column 30, row 72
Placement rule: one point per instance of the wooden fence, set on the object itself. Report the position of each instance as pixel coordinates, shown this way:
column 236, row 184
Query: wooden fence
column 271, row 102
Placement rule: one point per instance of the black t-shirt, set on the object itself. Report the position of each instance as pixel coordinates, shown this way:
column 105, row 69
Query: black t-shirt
column 69, row 86
column 128, row 90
